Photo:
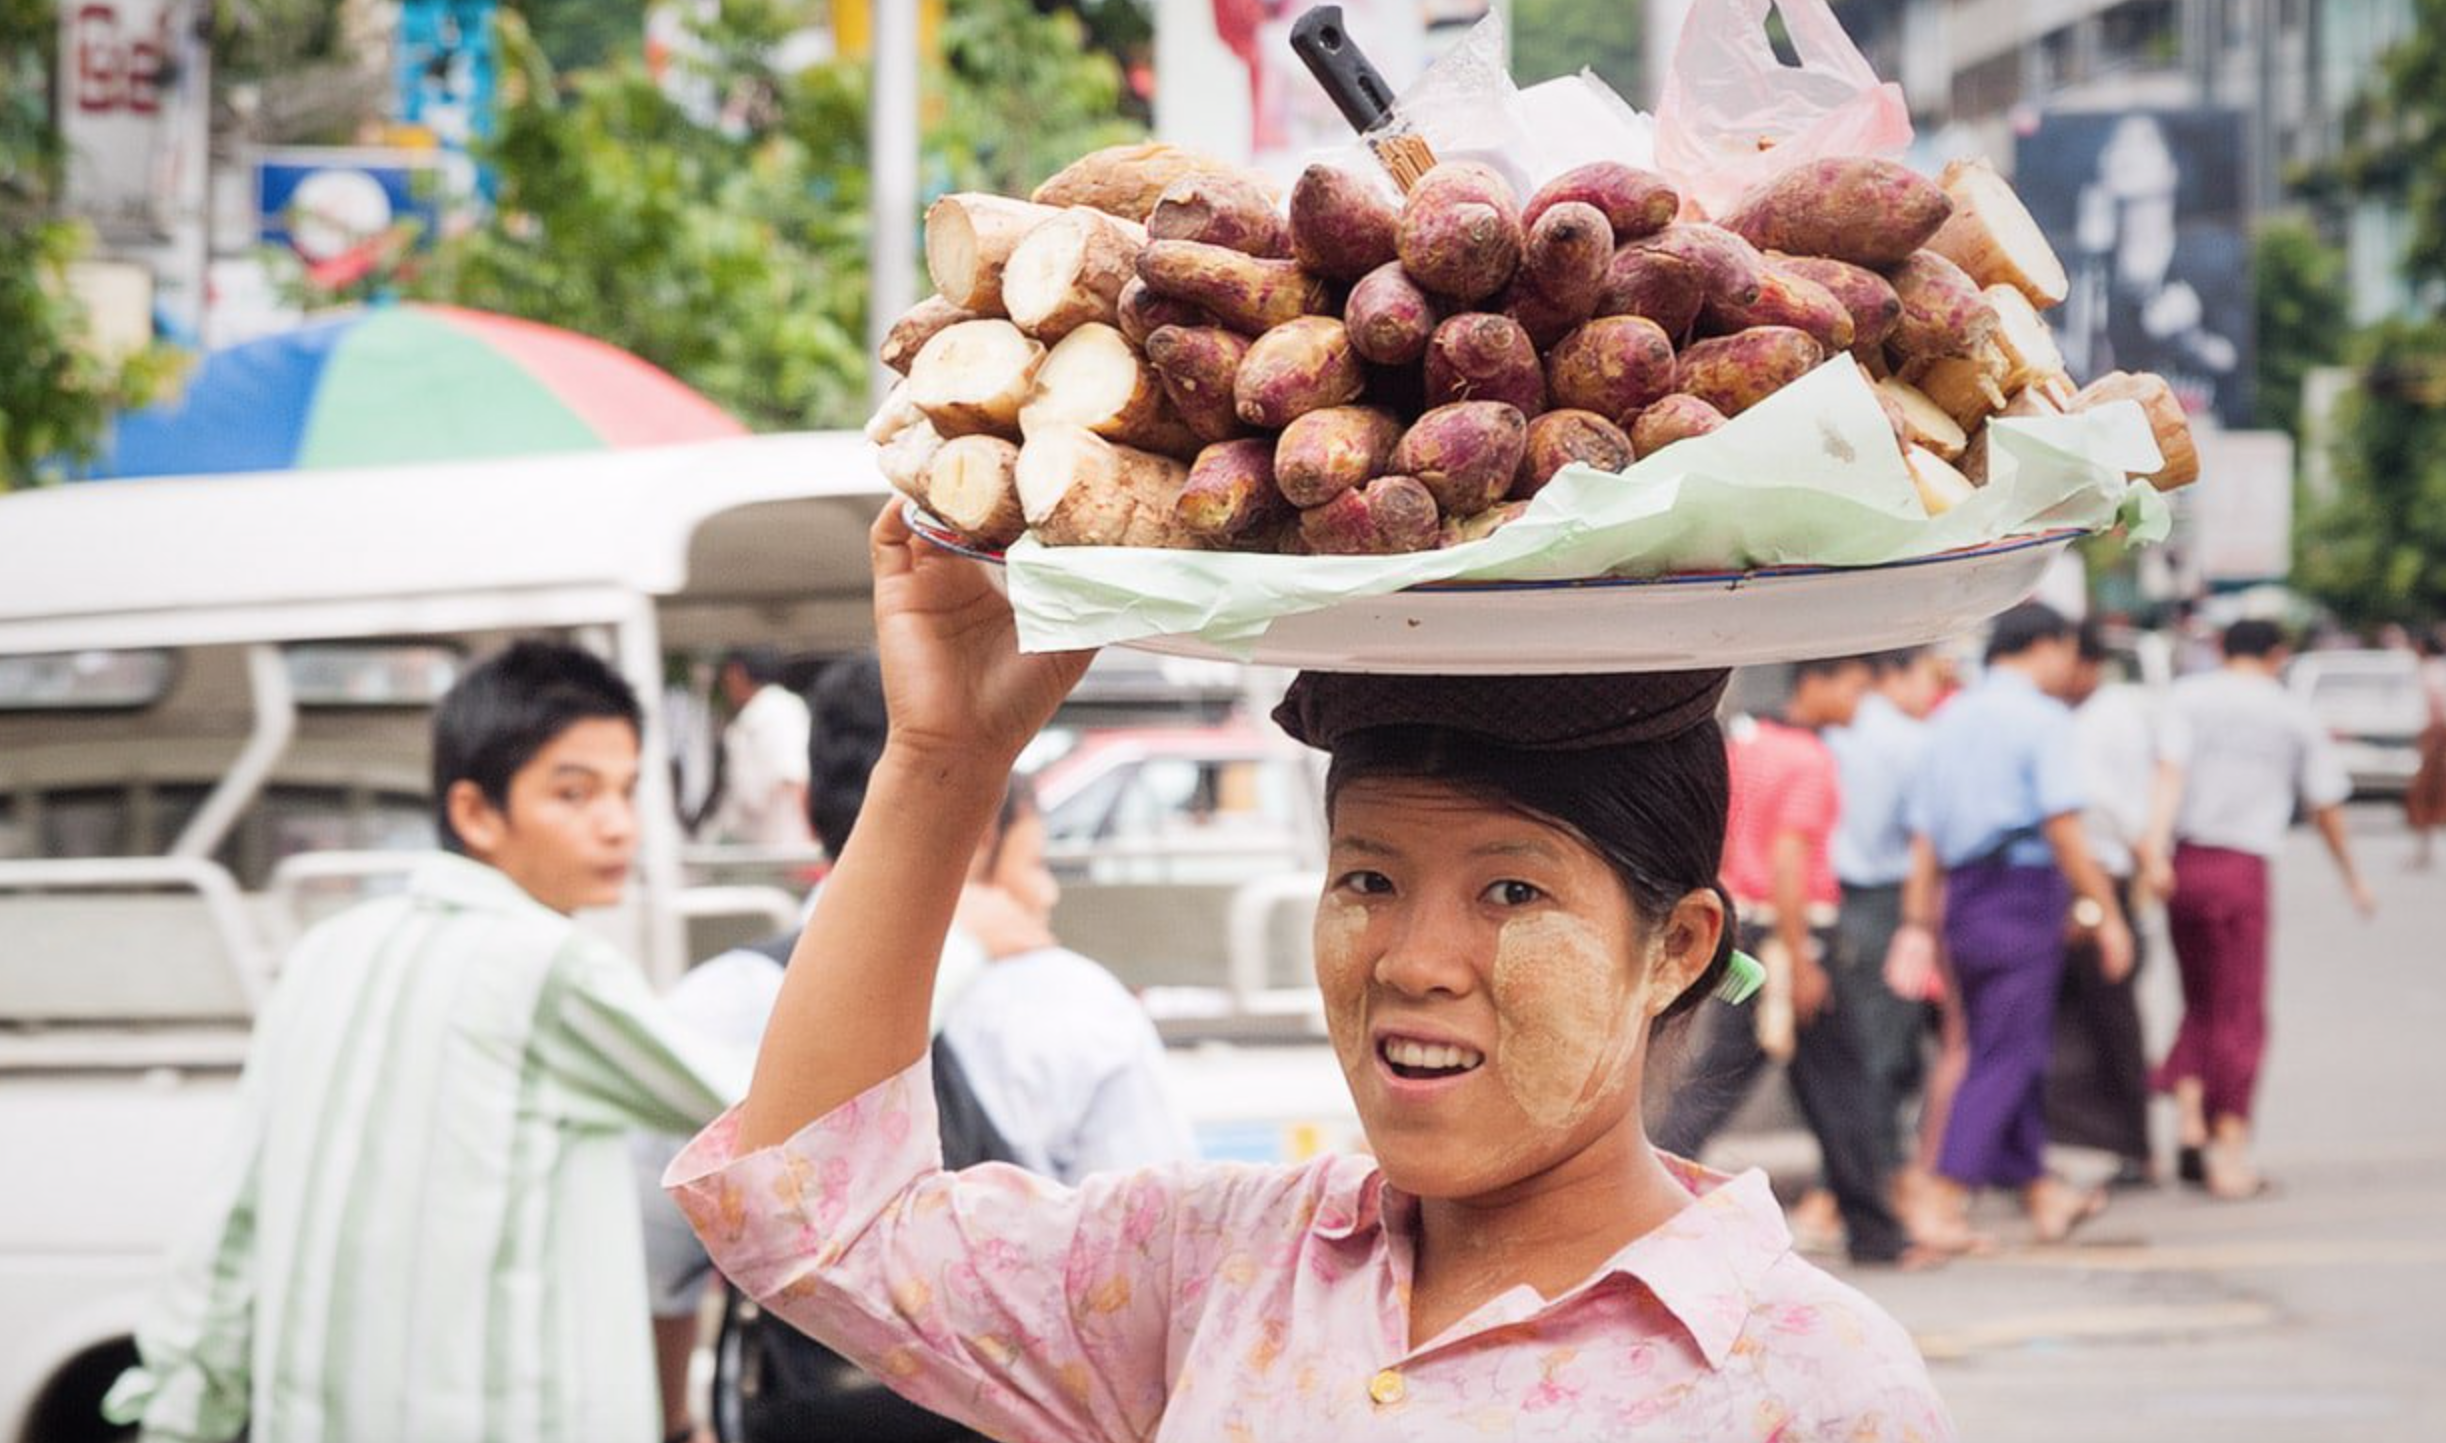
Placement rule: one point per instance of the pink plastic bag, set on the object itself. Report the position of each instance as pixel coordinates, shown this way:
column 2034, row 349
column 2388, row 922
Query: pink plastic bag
column 1732, row 114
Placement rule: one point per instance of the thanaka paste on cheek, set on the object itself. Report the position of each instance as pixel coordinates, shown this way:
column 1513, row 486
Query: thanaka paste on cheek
column 1341, row 975
column 1565, row 1010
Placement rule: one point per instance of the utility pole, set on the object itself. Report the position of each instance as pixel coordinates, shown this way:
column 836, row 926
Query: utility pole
column 892, row 181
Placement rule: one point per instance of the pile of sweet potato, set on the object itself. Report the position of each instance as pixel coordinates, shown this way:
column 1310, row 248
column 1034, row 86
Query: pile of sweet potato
column 1154, row 350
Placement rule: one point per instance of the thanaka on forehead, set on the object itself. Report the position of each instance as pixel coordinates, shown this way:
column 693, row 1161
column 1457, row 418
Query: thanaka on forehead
column 1521, row 847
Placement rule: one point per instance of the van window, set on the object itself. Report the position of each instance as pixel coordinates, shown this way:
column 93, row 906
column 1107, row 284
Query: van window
column 84, row 680
column 402, row 673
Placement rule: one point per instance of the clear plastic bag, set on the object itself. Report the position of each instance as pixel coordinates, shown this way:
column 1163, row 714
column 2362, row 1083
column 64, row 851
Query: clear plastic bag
column 1733, row 114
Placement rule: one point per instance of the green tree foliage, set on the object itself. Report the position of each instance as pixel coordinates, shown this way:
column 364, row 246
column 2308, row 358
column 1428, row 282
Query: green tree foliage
column 2299, row 290
column 1562, row 37
column 2376, row 550
column 56, row 393
column 733, row 254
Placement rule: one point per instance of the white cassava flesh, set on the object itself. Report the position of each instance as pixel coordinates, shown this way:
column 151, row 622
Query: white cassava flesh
column 2166, row 419
column 972, row 378
column 897, row 414
column 969, row 239
column 1095, row 378
column 1992, row 236
column 916, row 326
column 1941, row 487
column 1968, row 388
column 1924, row 421
column 1078, row 489
column 1070, row 271
column 972, row 486
column 904, row 459
column 2028, row 347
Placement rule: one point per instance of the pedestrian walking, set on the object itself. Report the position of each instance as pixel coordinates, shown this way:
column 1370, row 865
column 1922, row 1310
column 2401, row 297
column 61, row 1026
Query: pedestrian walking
column 2131, row 745
column 1522, row 883
column 761, row 790
column 423, row 1229
column 1778, row 864
column 1876, row 756
column 2254, row 749
column 1997, row 857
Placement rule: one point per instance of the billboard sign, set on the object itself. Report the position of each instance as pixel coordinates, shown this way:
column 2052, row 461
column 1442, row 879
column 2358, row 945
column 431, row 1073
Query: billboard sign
column 2146, row 209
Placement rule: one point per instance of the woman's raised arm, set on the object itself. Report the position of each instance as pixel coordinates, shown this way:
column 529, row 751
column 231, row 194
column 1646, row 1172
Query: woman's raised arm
column 963, row 702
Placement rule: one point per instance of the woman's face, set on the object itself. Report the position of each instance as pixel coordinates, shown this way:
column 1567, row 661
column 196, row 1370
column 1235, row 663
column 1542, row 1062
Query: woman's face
column 1487, row 985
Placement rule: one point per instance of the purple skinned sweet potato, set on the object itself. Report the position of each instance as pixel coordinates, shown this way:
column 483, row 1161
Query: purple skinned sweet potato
column 1388, row 515
column 1734, row 373
column 1231, row 492
column 1614, row 366
column 1341, row 227
column 1460, row 233
column 1665, row 288
column 1479, row 356
column 1389, row 317
column 1466, row 454
column 1325, row 453
column 1674, row 418
column 1729, row 267
column 1565, row 256
column 1785, row 298
column 1943, row 311
column 1861, row 209
column 1561, row 438
column 1635, row 202
column 1297, row 367
column 1868, row 296
column 1223, row 208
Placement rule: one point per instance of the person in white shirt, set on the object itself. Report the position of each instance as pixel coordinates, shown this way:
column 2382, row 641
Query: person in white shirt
column 1065, row 1060
column 1060, row 1056
column 2253, row 748
column 763, row 784
column 2130, row 744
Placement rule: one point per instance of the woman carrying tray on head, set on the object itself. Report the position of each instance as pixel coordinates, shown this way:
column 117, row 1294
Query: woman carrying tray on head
column 1522, row 886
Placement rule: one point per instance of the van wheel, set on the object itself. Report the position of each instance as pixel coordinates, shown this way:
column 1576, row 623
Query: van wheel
column 70, row 1408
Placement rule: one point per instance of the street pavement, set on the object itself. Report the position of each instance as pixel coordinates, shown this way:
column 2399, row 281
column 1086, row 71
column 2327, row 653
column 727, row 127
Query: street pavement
column 2316, row 1313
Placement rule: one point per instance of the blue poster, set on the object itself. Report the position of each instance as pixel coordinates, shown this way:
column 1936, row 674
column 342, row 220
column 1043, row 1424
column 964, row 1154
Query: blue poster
column 324, row 202
column 446, row 68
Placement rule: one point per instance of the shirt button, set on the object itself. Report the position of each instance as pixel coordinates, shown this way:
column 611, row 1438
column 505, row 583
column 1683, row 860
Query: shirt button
column 1386, row 1388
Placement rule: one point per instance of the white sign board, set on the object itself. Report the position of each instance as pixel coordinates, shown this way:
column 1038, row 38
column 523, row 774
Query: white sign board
column 2242, row 506
column 134, row 113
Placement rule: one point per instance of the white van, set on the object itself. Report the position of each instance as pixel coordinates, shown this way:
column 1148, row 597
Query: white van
column 215, row 696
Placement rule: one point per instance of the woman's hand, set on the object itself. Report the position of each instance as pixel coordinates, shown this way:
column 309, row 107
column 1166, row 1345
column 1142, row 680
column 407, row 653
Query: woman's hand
column 954, row 679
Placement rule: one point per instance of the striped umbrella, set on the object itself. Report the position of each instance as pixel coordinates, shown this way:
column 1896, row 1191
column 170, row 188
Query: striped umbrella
column 406, row 383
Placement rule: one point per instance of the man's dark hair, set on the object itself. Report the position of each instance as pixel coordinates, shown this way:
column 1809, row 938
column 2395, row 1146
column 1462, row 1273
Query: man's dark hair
column 762, row 664
column 2253, row 638
column 510, row 706
column 2092, row 638
column 1828, row 666
column 844, row 741
column 1900, row 659
column 2033, row 623
column 1655, row 810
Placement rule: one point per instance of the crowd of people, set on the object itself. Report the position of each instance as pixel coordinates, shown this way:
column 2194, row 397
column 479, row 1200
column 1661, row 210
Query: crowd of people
column 424, row 1226
column 1945, row 883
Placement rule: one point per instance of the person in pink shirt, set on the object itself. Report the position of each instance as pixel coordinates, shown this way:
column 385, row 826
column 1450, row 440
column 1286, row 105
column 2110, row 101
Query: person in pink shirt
column 1522, row 887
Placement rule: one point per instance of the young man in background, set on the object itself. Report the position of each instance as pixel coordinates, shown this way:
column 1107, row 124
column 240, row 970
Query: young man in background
column 423, row 1230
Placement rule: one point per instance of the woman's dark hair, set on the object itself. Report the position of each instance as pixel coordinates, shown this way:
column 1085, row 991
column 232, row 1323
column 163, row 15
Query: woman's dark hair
column 1655, row 810
column 510, row 706
column 2252, row 637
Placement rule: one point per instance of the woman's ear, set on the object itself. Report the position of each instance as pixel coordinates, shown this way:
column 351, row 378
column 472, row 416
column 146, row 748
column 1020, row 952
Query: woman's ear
column 478, row 823
column 1689, row 941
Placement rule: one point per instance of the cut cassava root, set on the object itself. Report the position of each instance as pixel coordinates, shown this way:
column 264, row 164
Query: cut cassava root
column 972, row 486
column 1069, row 272
column 969, row 239
column 973, row 377
column 1096, row 379
column 1078, row 489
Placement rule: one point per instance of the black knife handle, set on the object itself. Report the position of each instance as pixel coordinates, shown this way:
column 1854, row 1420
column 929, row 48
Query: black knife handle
column 1356, row 87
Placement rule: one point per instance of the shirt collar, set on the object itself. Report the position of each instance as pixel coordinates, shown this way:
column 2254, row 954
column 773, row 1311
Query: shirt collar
column 462, row 881
column 2012, row 679
column 1702, row 1265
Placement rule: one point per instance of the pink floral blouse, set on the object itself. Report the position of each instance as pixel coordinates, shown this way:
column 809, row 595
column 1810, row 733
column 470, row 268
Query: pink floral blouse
column 1213, row 1303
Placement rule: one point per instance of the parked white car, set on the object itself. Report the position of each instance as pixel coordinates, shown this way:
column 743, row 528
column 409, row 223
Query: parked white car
column 214, row 705
column 2372, row 704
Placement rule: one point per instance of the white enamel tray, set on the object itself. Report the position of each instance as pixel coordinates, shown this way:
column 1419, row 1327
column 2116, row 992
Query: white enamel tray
column 1517, row 628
